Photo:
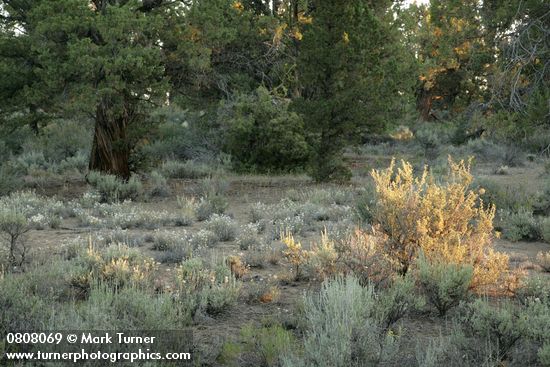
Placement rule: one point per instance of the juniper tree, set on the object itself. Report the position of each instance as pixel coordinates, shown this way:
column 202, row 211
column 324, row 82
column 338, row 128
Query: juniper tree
column 348, row 71
column 99, row 59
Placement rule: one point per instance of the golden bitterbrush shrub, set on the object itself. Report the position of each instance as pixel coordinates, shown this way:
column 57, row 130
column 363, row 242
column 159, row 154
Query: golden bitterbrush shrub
column 294, row 253
column 363, row 254
column 238, row 268
column 323, row 257
column 445, row 220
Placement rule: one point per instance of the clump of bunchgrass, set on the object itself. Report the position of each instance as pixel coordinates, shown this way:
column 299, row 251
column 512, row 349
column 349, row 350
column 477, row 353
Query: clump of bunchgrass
column 116, row 265
column 267, row 345
column 188, row 169
column 119, row 235
column 187, row 209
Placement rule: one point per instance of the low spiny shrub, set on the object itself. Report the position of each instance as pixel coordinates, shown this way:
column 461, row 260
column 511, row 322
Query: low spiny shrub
column 210, row 205
column 13, row 226
column 503, row 326
column 248, row 236
column 545, row 229
column 534, row 288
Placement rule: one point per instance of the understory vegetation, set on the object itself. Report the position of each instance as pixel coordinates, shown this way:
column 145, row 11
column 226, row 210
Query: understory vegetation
column 404, row 244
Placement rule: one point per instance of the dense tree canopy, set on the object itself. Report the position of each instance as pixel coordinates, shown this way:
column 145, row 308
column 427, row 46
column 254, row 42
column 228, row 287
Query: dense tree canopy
column 347, row 69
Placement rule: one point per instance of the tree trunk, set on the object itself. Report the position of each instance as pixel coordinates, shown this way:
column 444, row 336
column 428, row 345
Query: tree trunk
column 34, row 119
column 110, row 149
column 424, row 104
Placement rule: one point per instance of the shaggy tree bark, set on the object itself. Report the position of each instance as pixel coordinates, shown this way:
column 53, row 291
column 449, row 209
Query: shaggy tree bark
column 110, row 148
column 111, row 145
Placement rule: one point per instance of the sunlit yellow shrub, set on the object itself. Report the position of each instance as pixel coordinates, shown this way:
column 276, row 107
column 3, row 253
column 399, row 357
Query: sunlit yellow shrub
column 121, row 271
column 271, row 295
column 116, row 269
column 238, row 268
column 120, row 267
column 294, row 253
column 446, row 221
column 363, row 254
column 323, row 257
